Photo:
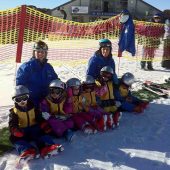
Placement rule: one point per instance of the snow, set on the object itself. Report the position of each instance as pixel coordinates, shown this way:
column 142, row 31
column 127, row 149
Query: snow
column 141, row 142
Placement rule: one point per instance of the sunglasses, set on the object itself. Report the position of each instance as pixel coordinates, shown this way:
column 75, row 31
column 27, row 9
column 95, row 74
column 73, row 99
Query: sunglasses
column 56, row 91
column 19, row 99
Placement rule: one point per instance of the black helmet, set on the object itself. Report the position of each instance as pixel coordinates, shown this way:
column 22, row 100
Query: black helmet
column 40, row 46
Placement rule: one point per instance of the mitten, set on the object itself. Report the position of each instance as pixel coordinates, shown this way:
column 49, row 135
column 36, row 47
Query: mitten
column 45, row 127
column 138, row 109
column 17, row 132
column 118, row 103
column 45, row 115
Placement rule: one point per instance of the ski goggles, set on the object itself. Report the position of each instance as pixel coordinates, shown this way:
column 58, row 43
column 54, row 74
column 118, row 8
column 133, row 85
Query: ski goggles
column 56, row 91
column 23, row 98
column 106, row 75
column 76, row 88
column 89, row 86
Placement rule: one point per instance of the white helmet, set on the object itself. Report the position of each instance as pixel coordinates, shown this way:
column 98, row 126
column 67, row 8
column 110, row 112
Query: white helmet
column 124, row 16
column 89, row 80
column 73, row 82
column 57, row 84
column 107, row 69
column 19, row 91
column 128, row 79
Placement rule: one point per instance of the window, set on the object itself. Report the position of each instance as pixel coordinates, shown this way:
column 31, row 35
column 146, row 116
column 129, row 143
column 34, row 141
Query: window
column 96, row 5
column 106, row 6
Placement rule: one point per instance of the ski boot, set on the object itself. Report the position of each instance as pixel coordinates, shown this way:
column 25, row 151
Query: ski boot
column 116, row 117
column 51, row 150
column 143, row 64
column 69, row 135
column 149, row 66
column 101, row 123
column 109, row 121
column 28, row 154
column 89, row 129
column 24, row 157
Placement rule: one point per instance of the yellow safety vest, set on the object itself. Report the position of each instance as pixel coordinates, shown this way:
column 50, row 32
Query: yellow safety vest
column 77, row 104
column 25, row 119
column 109, row 96
column 90, row 99
column 56, row 108
column 123, row 90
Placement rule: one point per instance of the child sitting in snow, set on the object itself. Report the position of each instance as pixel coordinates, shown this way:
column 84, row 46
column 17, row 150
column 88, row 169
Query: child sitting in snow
column 108, row 100
column 90, row 92
column 52, row 110
column 129, row 102
column 75, row 105
column 24, row 127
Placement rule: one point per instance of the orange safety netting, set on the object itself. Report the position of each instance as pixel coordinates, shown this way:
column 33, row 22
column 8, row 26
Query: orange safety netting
column 67, row 40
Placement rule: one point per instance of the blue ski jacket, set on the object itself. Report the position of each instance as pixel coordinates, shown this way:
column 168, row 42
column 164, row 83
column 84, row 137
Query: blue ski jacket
column 97, row 62
column 127, row 37
column 36, row 77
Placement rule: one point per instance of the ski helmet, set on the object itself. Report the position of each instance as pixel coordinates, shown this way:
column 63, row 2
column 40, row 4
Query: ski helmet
column 19, row 91
column 107, row 69
column 105, row 43
column 40, row 46
column 57, row 84
column 73, row 82
column 167, row 22
column 89, row 80
column 128, row 79
column 124, row 16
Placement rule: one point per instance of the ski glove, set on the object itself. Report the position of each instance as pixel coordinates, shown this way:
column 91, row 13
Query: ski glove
column 138, row 109
column 46, row 115
column 17, row 132
column 45, row 127
column 118, row 103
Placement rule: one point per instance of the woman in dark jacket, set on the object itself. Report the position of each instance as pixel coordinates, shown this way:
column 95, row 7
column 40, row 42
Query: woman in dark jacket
column 101, row 58
column 36, row 74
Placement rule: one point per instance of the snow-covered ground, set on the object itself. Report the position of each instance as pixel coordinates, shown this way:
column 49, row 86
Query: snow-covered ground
column 141, row 142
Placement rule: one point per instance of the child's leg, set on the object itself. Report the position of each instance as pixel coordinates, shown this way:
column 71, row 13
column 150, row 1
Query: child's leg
column 69, row 123
column 78, row 120
column 22, row 145
column 58, row 126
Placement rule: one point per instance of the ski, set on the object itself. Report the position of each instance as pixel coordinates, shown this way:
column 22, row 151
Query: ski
column 156, row 85
column 160, row 94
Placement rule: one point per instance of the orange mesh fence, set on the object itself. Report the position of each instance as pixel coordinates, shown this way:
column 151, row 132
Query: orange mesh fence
column 68, row 40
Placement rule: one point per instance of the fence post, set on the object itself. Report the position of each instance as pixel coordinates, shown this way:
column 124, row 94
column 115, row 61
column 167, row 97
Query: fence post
column 21, row 34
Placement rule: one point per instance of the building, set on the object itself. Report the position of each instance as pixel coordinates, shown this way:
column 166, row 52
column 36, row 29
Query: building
column 92, row 10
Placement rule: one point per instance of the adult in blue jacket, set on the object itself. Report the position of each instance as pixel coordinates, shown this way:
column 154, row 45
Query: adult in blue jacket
column 100, row 59
column 127, row 34
column 36, row 74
